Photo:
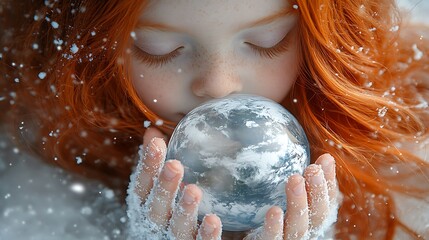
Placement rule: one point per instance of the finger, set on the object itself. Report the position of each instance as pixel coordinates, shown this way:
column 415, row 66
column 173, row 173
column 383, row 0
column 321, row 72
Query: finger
column 151, row 133
column 152, row 161
column 211, row 228
column 273, row 225
column 164, row 193
column 328, row 166
column 317, row 194
column 183, row 223
column 296, row 219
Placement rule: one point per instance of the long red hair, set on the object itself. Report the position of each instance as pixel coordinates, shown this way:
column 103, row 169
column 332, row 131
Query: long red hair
column 79, row 110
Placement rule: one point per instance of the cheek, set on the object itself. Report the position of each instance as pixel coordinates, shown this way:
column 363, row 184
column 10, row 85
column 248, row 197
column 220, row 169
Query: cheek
column 275, row 78
column 156, row 90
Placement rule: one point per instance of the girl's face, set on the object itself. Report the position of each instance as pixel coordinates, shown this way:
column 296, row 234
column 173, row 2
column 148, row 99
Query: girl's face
column 187, row 52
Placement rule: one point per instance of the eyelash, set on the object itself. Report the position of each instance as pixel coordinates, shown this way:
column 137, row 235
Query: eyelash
column 155, row 60
column 160, row 60
column 273, row 51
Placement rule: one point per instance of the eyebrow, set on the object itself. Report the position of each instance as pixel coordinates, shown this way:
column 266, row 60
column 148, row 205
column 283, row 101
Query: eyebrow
column 268, row 19
column 263, row 21
column 158, row 26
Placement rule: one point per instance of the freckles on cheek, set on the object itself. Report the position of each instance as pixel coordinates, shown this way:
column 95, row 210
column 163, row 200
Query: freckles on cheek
column 150, row 93
column 150, row 88
column 157, row 89
column 275, row 78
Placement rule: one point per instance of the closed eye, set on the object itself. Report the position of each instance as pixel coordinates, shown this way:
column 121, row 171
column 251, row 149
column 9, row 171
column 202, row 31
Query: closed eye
column 155, row 60
column 274, row 51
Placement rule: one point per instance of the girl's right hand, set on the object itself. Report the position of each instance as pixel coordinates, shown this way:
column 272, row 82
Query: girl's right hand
column 156, row 185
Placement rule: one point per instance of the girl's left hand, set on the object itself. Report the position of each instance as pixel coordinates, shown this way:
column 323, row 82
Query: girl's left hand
column 311, row 205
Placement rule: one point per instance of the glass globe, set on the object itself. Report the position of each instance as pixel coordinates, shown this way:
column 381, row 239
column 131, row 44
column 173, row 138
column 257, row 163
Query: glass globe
column 240, row 150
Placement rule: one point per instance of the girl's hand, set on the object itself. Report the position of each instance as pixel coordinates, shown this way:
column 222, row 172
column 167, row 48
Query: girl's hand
column 153, row 211
column 311, row 205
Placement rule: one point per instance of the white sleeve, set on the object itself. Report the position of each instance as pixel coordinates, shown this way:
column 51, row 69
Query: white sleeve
column 139, row 226
column 413, row 212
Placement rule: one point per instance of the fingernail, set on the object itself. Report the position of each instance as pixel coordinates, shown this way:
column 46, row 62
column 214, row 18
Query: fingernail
column 275, row 214
column 153, row 146
column 299, row 188
column 317, row 178
column 328, row 164
column 188, row 197
column 151, row 151
column 208, row 228
column 169, row 171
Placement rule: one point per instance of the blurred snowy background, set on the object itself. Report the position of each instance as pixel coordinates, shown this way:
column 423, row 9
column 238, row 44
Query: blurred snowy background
column 40, row 202
column 415, row 10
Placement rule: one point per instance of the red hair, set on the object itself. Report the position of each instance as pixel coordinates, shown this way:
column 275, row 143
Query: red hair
column 355, row 103
column 86, row 107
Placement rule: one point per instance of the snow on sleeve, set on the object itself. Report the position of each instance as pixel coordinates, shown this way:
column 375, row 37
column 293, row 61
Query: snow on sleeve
column 139, row 226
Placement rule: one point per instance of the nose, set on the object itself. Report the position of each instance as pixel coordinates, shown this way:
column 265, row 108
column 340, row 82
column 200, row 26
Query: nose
column 217, row 79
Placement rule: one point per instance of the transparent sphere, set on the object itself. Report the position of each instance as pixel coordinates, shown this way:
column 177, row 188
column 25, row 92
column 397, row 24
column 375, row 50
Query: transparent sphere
column 240, row 150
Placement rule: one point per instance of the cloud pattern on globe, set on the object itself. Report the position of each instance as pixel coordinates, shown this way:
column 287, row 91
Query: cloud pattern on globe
column 240, row 150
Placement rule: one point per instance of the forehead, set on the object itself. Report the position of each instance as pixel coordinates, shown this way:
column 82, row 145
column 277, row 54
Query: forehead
column 201, row 14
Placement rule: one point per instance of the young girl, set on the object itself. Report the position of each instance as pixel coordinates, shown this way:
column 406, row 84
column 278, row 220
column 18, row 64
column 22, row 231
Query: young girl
column 92, row 76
